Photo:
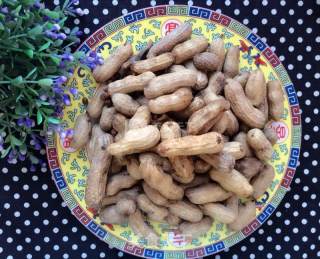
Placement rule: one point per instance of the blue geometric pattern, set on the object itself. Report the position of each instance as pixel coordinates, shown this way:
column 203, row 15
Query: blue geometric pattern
column 61, row 183
column 212, row 249
column 97, row 230
column 294, row 156
column 292, row 96
column 148, row 253
column 266, row 213
column 135, row 16
column 255, row 40
column 199, row 12
column 85, row 48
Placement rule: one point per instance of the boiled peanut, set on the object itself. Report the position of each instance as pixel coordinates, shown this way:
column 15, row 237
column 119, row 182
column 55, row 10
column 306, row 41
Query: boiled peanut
column 154, row 176
column 124, row 104
column 222, row 161
column 110, row 215
column 153, row 211
column 97, row 177
column 172, row 220
column 241, row 137
column 112, row 64
column 217, row 47
column 97, row 102
column 241, row 106
column 262, row 181
column 232, row 181
column 275, row 99
column 176, row 101
column 215, row 86
column 126, row 206
column 235, row 149
column 197, row 181
column 182, row 165
column 81, row 133
column 168, row 83
column 199, row 119
column 197, row 229
column 247, row 213
column 154, row 195
column 202, row 79
column 186, row 210
column 256, row 89
column 136, row 140
column 260, row 144
column 242, row 78
column 141, row 118
column 186, row 50
column 196, row 104
column 118, row 182
column 107, row 118
column 208, row 143
column 270, row 133
column 180, row 34
column 142, row 229
column 153, row 64
column 130, row 194
column 219, row 212
column 231, row 62
column 133, row 167
column 206, row 193
column 206, row 61
column 201, row 167
column 131, row 83
column 228, row 124
column 249, row 167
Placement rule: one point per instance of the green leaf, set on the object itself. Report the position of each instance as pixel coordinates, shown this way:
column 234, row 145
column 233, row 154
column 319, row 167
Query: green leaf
column 31, row 73
column 33, row 159
column 53, row 120
column 28, row 2
column 15, row 141
column 21, row 110
column 17, row 81
column 39, row 117
column 55, row 60
column 26, row 44
column 45, row 82
column 51, row 14
column 5, row 152
column 45, row 46
column 29, row 53
column 1, row 27
column 79, row 54
column 35, row 31
column 16, row 11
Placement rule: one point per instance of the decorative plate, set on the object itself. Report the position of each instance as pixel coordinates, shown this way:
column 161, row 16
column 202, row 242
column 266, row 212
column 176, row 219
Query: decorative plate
column 69, row 169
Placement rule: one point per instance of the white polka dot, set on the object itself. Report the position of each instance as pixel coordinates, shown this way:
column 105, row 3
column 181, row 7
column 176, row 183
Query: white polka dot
column 236, row 11
column 74, row 246
column 46, row 239
column 282, row 21
column 37, row 248
column 36, row 230
column 114, row 2
column 209, row 2
column 65, row 238
column 95, row 2
column 105, row 11
column 24, row 170
column 35, row 178
column 27, row 239
column 83, row 238
column 96, row 21
column 76, row 21
column 65, row 256
column 86, row 30
column 45, row 222
column 74, row 229
column 264, row 21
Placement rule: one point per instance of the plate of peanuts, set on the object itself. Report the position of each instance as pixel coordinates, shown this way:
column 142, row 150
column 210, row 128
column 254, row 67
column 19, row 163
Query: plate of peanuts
column 184, row 141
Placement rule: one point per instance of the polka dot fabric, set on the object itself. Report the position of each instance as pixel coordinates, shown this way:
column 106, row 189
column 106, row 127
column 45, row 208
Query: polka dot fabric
column 35, row 222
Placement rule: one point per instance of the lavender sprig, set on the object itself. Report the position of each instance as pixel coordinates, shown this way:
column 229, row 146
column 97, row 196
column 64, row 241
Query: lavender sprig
column 36, row 61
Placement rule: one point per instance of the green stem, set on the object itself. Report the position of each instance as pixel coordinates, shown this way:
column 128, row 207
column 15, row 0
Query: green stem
column 23, row 82
column 18, row 36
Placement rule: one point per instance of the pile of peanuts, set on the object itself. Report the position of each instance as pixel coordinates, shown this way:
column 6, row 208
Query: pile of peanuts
column 176, row 134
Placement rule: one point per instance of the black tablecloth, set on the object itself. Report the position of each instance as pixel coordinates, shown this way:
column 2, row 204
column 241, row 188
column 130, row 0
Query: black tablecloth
column 35, row 223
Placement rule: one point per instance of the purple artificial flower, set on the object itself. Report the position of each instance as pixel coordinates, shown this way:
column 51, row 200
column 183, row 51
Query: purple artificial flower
column 73, row 90
column 79, row 33
column 38, row 5
column 76, row 2
column 66, row 99
column 61, row 36
column 43, row 97
column 4, row 10
column 37, row 146
column 79, row 11
column 56, row 27
column 21, row 157
column 67, row 56
column 51, row 34
column 60, row 80
column 20, row 122
column 29, row 123
column 32, row 168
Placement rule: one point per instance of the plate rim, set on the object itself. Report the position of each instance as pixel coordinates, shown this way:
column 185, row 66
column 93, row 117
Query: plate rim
column 290, row 168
